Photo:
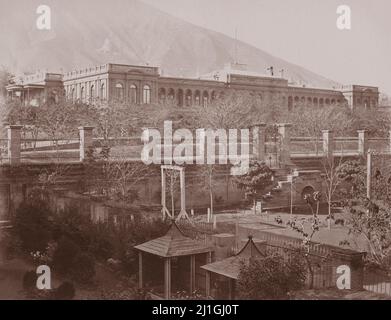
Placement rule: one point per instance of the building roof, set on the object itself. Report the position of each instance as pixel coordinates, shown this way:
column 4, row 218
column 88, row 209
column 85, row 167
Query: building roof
column 173, row 244
column 230, row 267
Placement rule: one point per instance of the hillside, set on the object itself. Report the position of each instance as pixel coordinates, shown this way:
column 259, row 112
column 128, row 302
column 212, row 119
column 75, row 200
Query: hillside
column 88, row 32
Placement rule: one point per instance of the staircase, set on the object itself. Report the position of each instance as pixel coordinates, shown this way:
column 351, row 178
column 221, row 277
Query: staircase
column 279, row 195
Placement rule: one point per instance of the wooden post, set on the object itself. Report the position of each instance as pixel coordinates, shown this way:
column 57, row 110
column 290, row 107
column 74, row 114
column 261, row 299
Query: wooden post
column 207, row 285
column 167, row 278
column 140, row 270
column 192, row 274
column 207, row 278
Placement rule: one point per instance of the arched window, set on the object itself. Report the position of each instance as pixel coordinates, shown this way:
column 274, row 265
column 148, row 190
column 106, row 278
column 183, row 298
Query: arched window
column 171, row 94
column 290, row 103
column 147, row 94
column 119, row 91
column 133, row 94
column 315, row 101
column 162, row 95
column 72, row 96
column 103, row 91
column 180, row 97
column 188, row 98
column 197, row 98
column 92, row 92
column 82, row 94
column 205, row 98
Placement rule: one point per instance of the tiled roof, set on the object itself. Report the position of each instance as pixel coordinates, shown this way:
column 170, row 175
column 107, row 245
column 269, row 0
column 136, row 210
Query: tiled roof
column 173, row 244
column 230, row 267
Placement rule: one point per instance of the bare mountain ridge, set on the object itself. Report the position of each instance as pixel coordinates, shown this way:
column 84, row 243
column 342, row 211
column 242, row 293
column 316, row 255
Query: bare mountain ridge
column 86, row 33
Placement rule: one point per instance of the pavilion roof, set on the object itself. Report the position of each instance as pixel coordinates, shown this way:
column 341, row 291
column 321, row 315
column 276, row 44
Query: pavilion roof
column 174, row 244
column 230, row 267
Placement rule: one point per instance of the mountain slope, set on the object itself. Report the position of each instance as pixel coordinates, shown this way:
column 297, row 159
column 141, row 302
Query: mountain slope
column 89, row 32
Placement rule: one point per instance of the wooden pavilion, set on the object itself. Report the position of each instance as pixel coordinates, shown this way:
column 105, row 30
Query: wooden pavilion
column 174, row 246
column 228, row 270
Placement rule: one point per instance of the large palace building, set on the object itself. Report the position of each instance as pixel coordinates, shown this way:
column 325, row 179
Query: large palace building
column 146, row 85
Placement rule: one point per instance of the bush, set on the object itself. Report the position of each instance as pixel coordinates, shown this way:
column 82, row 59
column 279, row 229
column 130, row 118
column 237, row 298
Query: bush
column 271, row 277
column 33, row 225
column 64, row 256
column 83, row 269
column 30, row 280
column 66, row 291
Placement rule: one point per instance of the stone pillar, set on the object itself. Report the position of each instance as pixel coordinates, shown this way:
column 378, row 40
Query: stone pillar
column 85, row 141
column 328, row 143
column 14, row 141
column 258, row 141
column 284, row 129
column 362, row 142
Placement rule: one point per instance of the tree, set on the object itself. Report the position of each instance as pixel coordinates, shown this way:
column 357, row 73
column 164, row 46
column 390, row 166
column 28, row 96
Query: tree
column 309, row 122
column 273, row 277
column 114, row 176
column 332, row 180
column 369, row 218
column 254, row 182
column 307, row 228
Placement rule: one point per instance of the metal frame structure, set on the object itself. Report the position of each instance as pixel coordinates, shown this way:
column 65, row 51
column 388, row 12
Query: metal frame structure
column 165, row 211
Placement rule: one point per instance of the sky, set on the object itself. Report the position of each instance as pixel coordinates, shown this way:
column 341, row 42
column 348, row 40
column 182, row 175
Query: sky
column 304, row 32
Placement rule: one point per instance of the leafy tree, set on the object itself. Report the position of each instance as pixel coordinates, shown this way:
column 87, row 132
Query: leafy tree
column 273, row 277
column 255, row 181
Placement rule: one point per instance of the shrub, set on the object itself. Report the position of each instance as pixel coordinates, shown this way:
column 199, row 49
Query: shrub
column 271, row 278
column 30, row 280
column 83, row 269
column 64, row 256
column 33, row 226
column 66, row 291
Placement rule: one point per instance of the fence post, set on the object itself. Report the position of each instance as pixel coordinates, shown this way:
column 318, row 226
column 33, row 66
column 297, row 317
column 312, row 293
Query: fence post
column 284, row 129
column 328, row 143
column 85, row 140
column 14, row 141
column 258, row 141
column 362, row 142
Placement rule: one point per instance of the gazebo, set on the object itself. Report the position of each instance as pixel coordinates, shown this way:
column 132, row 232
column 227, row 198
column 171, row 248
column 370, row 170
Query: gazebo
column 174, row 248
column 229, row 269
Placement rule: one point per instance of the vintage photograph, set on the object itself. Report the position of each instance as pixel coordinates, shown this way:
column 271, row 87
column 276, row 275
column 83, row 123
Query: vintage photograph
column 195, row 150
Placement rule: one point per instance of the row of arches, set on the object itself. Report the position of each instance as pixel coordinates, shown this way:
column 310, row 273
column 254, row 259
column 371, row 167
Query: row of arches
column 133, row 93
column 312, row 101
column 88, row 92
column 187, row 97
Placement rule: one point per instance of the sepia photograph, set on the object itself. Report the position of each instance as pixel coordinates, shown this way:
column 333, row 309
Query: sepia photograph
column 213, row 151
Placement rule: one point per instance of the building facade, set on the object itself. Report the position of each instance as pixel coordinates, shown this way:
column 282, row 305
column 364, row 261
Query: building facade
column 146, row 85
